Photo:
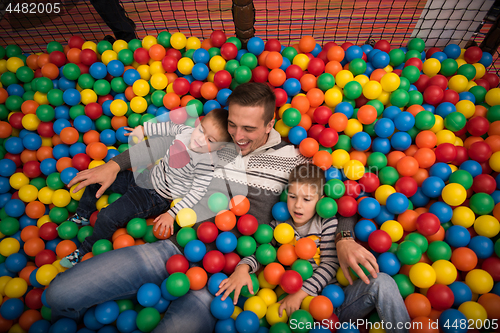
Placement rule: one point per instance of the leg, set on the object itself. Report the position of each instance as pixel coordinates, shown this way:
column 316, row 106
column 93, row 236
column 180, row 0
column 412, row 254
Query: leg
column 109, row 276
column 381, row 294
column 136, row 202
column 189, row 313
column 115, row 17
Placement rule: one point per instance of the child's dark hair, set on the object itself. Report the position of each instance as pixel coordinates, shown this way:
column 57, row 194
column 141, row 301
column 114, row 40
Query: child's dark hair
column 219, row 117
column 255, row 94
column 309, row 174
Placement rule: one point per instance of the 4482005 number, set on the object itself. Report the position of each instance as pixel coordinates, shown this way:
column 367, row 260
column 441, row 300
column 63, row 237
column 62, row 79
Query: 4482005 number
column 34, row 8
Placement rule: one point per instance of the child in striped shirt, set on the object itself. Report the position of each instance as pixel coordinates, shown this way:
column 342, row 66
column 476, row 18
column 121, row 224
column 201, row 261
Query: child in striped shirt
column 305, row 189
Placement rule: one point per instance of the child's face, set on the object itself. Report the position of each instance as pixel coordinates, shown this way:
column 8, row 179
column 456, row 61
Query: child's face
column 206, row 137
column 301, row 201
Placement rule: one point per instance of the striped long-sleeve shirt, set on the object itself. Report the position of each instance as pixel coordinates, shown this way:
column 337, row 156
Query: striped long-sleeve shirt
column 189, row 182
column 325, row 264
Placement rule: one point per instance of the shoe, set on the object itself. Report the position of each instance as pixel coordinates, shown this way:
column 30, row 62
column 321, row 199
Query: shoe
column 70, row 260
column 79, row 220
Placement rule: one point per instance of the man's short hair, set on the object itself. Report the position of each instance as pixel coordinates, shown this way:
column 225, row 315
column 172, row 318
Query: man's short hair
column 255, row 94
column 219, row 117
column 308, row 174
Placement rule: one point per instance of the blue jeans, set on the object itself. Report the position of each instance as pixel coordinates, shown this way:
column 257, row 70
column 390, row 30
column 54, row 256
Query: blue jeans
column 136, row 201
column 381, row 294
column 119, row 274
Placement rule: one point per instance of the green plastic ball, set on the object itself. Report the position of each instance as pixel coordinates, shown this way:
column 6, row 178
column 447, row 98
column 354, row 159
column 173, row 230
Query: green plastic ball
column 55, row 97
column 377, row 160
column 194, row 108
column 417, row 44
column 235, row 41
column 125, row 304
column 25, row 74
column 164, row 38
column 76, row 111
column 72, row 206
column 126, row 56
column 400, row 97
column 264, row 234
column 416, row 97
column 438, row 250
column 71, row 71
column 134, row 44
column 357, row 66
column 255, row 287
column 334, row 188
column 103, row 122
column 67, row 230
column 102, row 87
column 101, row 246
column 246, row 246
column 467, row 70
column 185, row 235
column 136, row 227
column 58, row 214
column 289, row 52
column 303, row 319
column 425, row 120
column 418, row 239
column 449, row 67
column 461, row 177
column 147, row 319
column 454, row 121
column 178, row 284
column 249, row 60
column 113, row 197
column 388, row 175
column 397, row 57
column 265, row 254
column 44, row 85
column 45, row 113
column 213, row 51
column 413, row 54
column 326, row 207
column 479, row 93
column 303, row 267
column 231, row 66
column 446, row 225
column 217, row 202
column 149, row 237
column 325, row 81
column 8, row 78
column 54, row 181
column 84, row 232
column 54, row 46
column 38, row 182
column 412, row 73
column 343, row 143
column 405, row 286
column 279, row 328
column 291, row 117
column 404, row 84
column 353, row 89
column 481, row 203
column 9, row 226
column 46, row 313
column 408, row 253
column 243, row 74
column 86, row 81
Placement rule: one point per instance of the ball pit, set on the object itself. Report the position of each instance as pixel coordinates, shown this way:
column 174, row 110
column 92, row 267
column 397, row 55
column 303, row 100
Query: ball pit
column 408, row 140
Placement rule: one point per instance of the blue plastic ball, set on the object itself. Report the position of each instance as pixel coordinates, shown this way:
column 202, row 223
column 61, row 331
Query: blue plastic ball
column 345, row 108
column 115, row 68
column 77, row 148
column 388, row 263
column 334, row 293
column 353, row 52
column 467, row 96
column 98, row 70
column 126, row 321
column 361, row 141
column 380, row 60
column 450, row 316
column 226, row 242
column 7, row 167
column 419, row 199
column 65, row 84
column 162, row 305
column 280, row 212
column 433, row 186
column 486, row 59
column 225, row 326
column 482, row 246
column 255, row 45
column 297, row 134
column 240, row 54
column 72, row 97
column 68, row 174
column 162, row 114
column 397, row 203
column 333, row 173
column 90, row 320
column 14, row 145
column 48, row 166
column 15, row 208
column 16, row 262
column 200, row 71
column 247, row 322
column 107, row 312
column 195, row 250
column 369, row 208
column 33, row 281
column 210, row 105
column 25, row 221
column 148, row 294
column 401, row 141
column 452, row 51
column 384, row 128
column 214, row 281
column 82, row 123
column 441, row 56
column 222, row 309
column 381, row 145
column 457, row 236
column 130, row 76
column 4, row 197
column 201, row 56
column 363, row 229
column 472, row 167
column 108, row 137
column 40, row 326
column 443, row 211
column 15, row 89
column 404, row 121
column 164, row 292
column 223, row 95
column 384, row 215
column 292, row 86
column 461, row 293
column 391, row 112
column 60, row 150
column 441, row 170
column 110, row 154
column 32, row 141
column 12, row 309
column 60, row 124
column 445, row 109
column 286, row 63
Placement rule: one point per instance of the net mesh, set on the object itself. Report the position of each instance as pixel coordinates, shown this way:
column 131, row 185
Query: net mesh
column 439, row 22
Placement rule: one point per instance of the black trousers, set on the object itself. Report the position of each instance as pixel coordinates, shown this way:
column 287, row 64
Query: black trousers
column 114, row 15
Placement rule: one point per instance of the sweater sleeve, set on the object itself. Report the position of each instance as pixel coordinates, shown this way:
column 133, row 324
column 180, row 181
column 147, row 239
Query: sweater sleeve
column 347, row 224
column 164, row 128
column 329, row 264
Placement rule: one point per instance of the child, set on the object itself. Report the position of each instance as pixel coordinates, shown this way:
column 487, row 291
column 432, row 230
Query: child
column 305, row 188
column 186, row 171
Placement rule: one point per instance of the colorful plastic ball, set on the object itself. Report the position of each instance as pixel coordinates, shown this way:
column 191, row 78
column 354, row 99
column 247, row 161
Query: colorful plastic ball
column 397, row 203
column 422, row 275
column 148, row 294
column 297, row 134
column 221, row 309
column 369, row 208
column 379, row 241
column 247, row 322
column 280, row 212
column 226, row 242
column 177, row 263
column 195, row 250
column 454, row 194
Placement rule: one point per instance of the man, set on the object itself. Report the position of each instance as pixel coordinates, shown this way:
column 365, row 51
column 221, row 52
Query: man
column 260, row 172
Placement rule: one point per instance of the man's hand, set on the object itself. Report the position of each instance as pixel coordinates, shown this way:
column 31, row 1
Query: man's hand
column 235, row 282
column 103, row 174
column 165, row 222
column 291, row 303
column 352, row 254
column 138, row 132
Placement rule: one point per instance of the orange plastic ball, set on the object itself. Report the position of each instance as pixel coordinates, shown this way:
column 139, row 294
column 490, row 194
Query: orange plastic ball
column 301, row 103
column 225, row 220
column 118, row 233
column 42, row 60
column 209, row 90
column 338, row 121
column 367, row 114
column 43, row 153
column 464, row 259
column 286, row 254
column 33, row 246
column 274, row 60
column 197, row 278
column 491, row 303
column 28, row 155
column 407, row 166
column 308, row 82
column 28, row 232
column 273, row 273
column 420, row 176
column 124, row 241
column 305, row 248
column 29, row 107
column 307, row 44
column 119, row 121
column 418, row 305
column 408, row 220
column 308, row 147
column 69, row 135
column 50, row 70
column 171, row 100
column 426, row 139
column 393, row 158
column 425, row 157
column 316, row 97
column 91, row 136
column 97, row 151
column 31, row 62
column 35, row 209
column 239, row 205
column 322, row 159
column 321, row 307
column 305, row 122
column 157, row 52
column 65, row 248
column 29, row 317
column 276, row 77
column 335, row 53
column 63, row 163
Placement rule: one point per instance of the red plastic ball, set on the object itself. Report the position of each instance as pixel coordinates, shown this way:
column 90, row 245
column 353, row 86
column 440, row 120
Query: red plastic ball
column 93, row 110
column 84, row 69
column 440, row 296
column 347, row 206
column 483, row 83
column 415, row 62
column 58, row 58
column 81, row 161
column 480, row 151
column 492, row 79
column 407, row 186
column 141, row 56
column 218, row 38
column 445, row 152
column 328, row 137
column 382, row 45
column 214, row 262
column 45, row 257
column 76, row 41
column 461, row 157
column 16, row 119
column 422, row 82
column 174, row 53
column 316, row 67
column 484, row 184
column 433, row 95
column 88, row 57
column 428, row 224
column 315, row 131
column 478, row 126
column 195, row 89
column 45, row 129
column 178, row 116
column 32, row 169
column 247, row 224
column 222, row 79
column 48, row 231
column 207, row 232
column 33, row 299
column 294, row 71
column 346, row 45
column 379, row 241
column 291, row 282
column 273, row 45
column 450, row 96
column 473, row 54
column 322, row 114
column 232, row 260
column 16, row 158
column 181, row 86
column 439, row 80
column 492, row 266
column 369, row 182
column 281, row 97
column 260, row 74
column 352, row 188
column 169, row 63
column 228, row 51
column 323, row 55
column 431, row 51
column 177, row 263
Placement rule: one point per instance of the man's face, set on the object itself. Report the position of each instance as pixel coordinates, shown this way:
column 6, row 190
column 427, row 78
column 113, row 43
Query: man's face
column 247, row 128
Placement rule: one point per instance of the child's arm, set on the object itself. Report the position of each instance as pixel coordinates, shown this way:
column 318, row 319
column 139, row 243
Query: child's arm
column 165, row 222
column 329, row 264
column 167, row 128
column 239, row 278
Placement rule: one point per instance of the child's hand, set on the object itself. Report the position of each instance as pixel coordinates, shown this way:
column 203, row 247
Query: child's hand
column 292, row 302
column 165, row 222
column 138, row 132
column 235, row 282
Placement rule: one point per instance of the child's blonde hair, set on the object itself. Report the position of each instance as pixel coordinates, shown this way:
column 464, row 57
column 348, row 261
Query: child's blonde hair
column 309, row 174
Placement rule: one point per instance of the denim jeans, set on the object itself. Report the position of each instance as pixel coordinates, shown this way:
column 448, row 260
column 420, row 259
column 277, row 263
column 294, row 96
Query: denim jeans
column 119, row 274
column 136, row 201
column 381, row 294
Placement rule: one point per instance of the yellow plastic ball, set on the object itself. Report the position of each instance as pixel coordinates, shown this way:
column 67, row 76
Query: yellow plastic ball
column 61, row 198
column 333, row 97
column 57, row 265
column 445, row 136
column 460, row 62
column 487, row 226
column 211, row 76
column 466, row 107
column 479, row 281
column 362, row 79
column 174, row 202
column 268, row 296
column 140, row 87
column 384, row 97
column 96, row 163
column 30, row 122
column 47, row 142
column 263, row 282
column 272, row 315
column 372, row 90
column 438, row 125
column 170, row 87
column 283, row 109
column 236, row 312
column 454, row 194
column 14, row 63
column 446, row 272
column 89, row 45
column 431, row 67
column 475, row 313
column 42, row 220
column 339, row 158
column 9, row 246
column 458, row 83
column 470, row 85
column 394, row 229
column 101, row 202
column 341, row 278
column 353, row 126
column 148, row 41
column 3, row 282
column 18, row 180
column 28, row 193
column 390, row 82
column 193, row 43
column 306, row 302
column 383, row 192
column 41, row 98
column 138, row 104
column 463, row 216
column 301, row 60
column 144, row 72
column 16, row 288
column 185, row 66
column 217, row 63
column 186, row 217
column 354, row 169
column 45, row 195
column 480, row 70
column 119, row 45
column 45, row 274
column 178, row 41
column 156, row 68
column 159, row 81
column 422, row 275
column 281, row 128
column 284, row 233
column 343, row 77
column 78, row 195
column 88, row 96
column 3, row 66
column 493, row 97
column 458, row 142
column 118, row 107
column 108, row 56
column 256, row 305
column 494, row 161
